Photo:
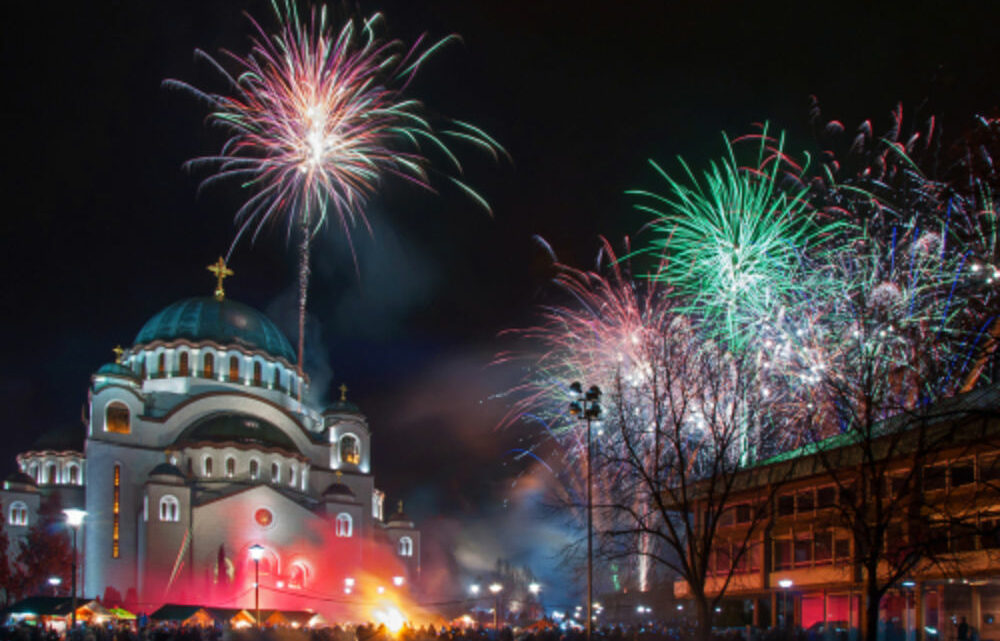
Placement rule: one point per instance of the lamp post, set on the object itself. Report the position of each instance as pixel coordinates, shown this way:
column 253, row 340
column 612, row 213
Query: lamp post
column 256, row 553
column 534, row 588
column 74, row 519
column 786, row 584
column 496, row 588
column 587, row 407
column 55, row 582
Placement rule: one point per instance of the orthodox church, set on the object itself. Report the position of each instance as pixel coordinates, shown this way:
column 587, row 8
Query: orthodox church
column 199, row 454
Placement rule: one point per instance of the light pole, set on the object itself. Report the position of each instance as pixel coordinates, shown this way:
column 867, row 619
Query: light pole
column 786, row 584
column 587, row 407
column 534, row 588
column 256, row 553
column 55, row 582
column 496, row 588
column 74, row 519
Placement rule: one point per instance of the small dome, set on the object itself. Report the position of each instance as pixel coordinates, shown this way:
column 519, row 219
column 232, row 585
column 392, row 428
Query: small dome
column 19, row 478
column 338, row 489
column 166, row 469
column 221, row 321
column 117, row 369
column 68, row 438
column 342, row 407
column 233, row 427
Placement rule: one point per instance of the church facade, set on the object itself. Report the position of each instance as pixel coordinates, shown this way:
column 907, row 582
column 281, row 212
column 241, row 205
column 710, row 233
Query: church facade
column 197, row 449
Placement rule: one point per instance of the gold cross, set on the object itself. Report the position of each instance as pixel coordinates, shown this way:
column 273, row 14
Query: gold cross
column 118, row 353
column 221, row 273
column 400, row 506
column 343, row 392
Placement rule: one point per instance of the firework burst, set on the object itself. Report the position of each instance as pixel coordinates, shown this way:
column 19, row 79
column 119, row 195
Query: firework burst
column 317, row 118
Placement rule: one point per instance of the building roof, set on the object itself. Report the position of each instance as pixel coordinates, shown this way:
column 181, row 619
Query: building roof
column 224, row 322
column 19, row 477
column 235, row 427
column 166, row 469
column 117, row 369
column 338, row 489
column 51, row 605
column 175, row 612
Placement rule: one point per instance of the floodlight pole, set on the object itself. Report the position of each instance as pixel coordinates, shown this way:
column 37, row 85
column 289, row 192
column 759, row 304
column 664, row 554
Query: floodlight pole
column 587, row 407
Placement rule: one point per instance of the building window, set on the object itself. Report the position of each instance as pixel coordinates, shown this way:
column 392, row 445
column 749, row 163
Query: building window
column 208, row 366
column 170, row 509
column 116, row 504
column 275, row 473
column 230, row 467
column 117, row 418
column 350, row 449
column 254, row 469
column 18, row 513
column 73, row 472
column 207, row 466
column 161, row 365
column 277, row 379
column 142, row 368
column 344, row 525
column 298, row 575
column 234, row 368
column 786, row 505
column 183, row 368
column 406, row 546
column 963, row 473
column 51, row 475
column 305, row 472
column 256, row 373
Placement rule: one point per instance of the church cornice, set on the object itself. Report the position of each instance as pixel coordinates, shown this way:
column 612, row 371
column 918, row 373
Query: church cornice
column 224, row 347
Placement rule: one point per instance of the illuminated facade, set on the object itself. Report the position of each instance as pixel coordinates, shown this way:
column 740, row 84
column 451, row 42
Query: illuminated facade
column 197, row 447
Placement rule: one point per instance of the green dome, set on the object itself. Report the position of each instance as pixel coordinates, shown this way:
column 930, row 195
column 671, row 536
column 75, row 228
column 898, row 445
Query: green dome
column 116, row 369
column 224, row 322
column 233, row 427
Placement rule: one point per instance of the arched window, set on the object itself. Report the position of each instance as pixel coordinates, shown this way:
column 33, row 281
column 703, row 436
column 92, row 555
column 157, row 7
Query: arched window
column 277, row 379
column 190, row 467
column 73, row 474
column 170, row 508
column 230, row 467
column 345, row 525
column 275, row 472
column 161, row 365
column 406, row 546
column 350, row 449
column 18, row 513
column 256, row 373
column 117, row 418
column 254, row 469
column 234, row 368
column 142, row 368
column 51, row 475
column 183, row 369
column 208, row 366
column 207, row 467
column 298, row 575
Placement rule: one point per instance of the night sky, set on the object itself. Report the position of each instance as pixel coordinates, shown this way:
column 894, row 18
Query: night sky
column 103, row 227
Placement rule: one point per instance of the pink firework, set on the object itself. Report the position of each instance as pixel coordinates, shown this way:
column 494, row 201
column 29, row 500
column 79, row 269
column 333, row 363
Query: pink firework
column 317, row 118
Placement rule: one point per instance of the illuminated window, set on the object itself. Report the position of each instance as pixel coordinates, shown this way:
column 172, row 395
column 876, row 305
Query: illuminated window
column 230, row 467
column 208, row 366
column 350, row 449
column 234, row 368
column 275, row 473
column 298, row 575
column 183, row 368
column 116, row 513
column 256, row 373
column 207, row 466
column 254, row 469
column 406, row 546
column 18, row 513
column 50, row 473
column 170, row 509
column 117, row 418
column 73, row 472
column 344, row 525
column 161, row 365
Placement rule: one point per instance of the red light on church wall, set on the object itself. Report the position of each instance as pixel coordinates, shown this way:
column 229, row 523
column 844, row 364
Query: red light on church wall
column 263, row 517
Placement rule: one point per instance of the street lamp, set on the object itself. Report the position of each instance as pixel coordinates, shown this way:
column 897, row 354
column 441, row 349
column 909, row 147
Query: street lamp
column 397, row 581
column 474, row 589
column 534, row 588
column 496, row 588
column 786, row 584
column 55, row 582
column 587, row 407
column 74, row 519
column 256, row 553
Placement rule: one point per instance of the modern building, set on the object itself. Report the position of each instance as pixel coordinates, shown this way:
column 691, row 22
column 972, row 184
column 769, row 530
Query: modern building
column 197, row 445
column 802, row 567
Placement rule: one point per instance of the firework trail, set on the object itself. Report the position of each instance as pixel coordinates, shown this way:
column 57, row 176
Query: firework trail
column 317, row 118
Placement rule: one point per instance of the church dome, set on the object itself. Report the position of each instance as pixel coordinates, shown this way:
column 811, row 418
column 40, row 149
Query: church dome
column 221, row 321
column 19, row 480
column 233, row 427
column 338, row 490
column 68, row 438
column 117, row 369
column 166, row 469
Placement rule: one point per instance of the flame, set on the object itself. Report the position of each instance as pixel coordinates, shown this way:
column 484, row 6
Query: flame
column 390, row 616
